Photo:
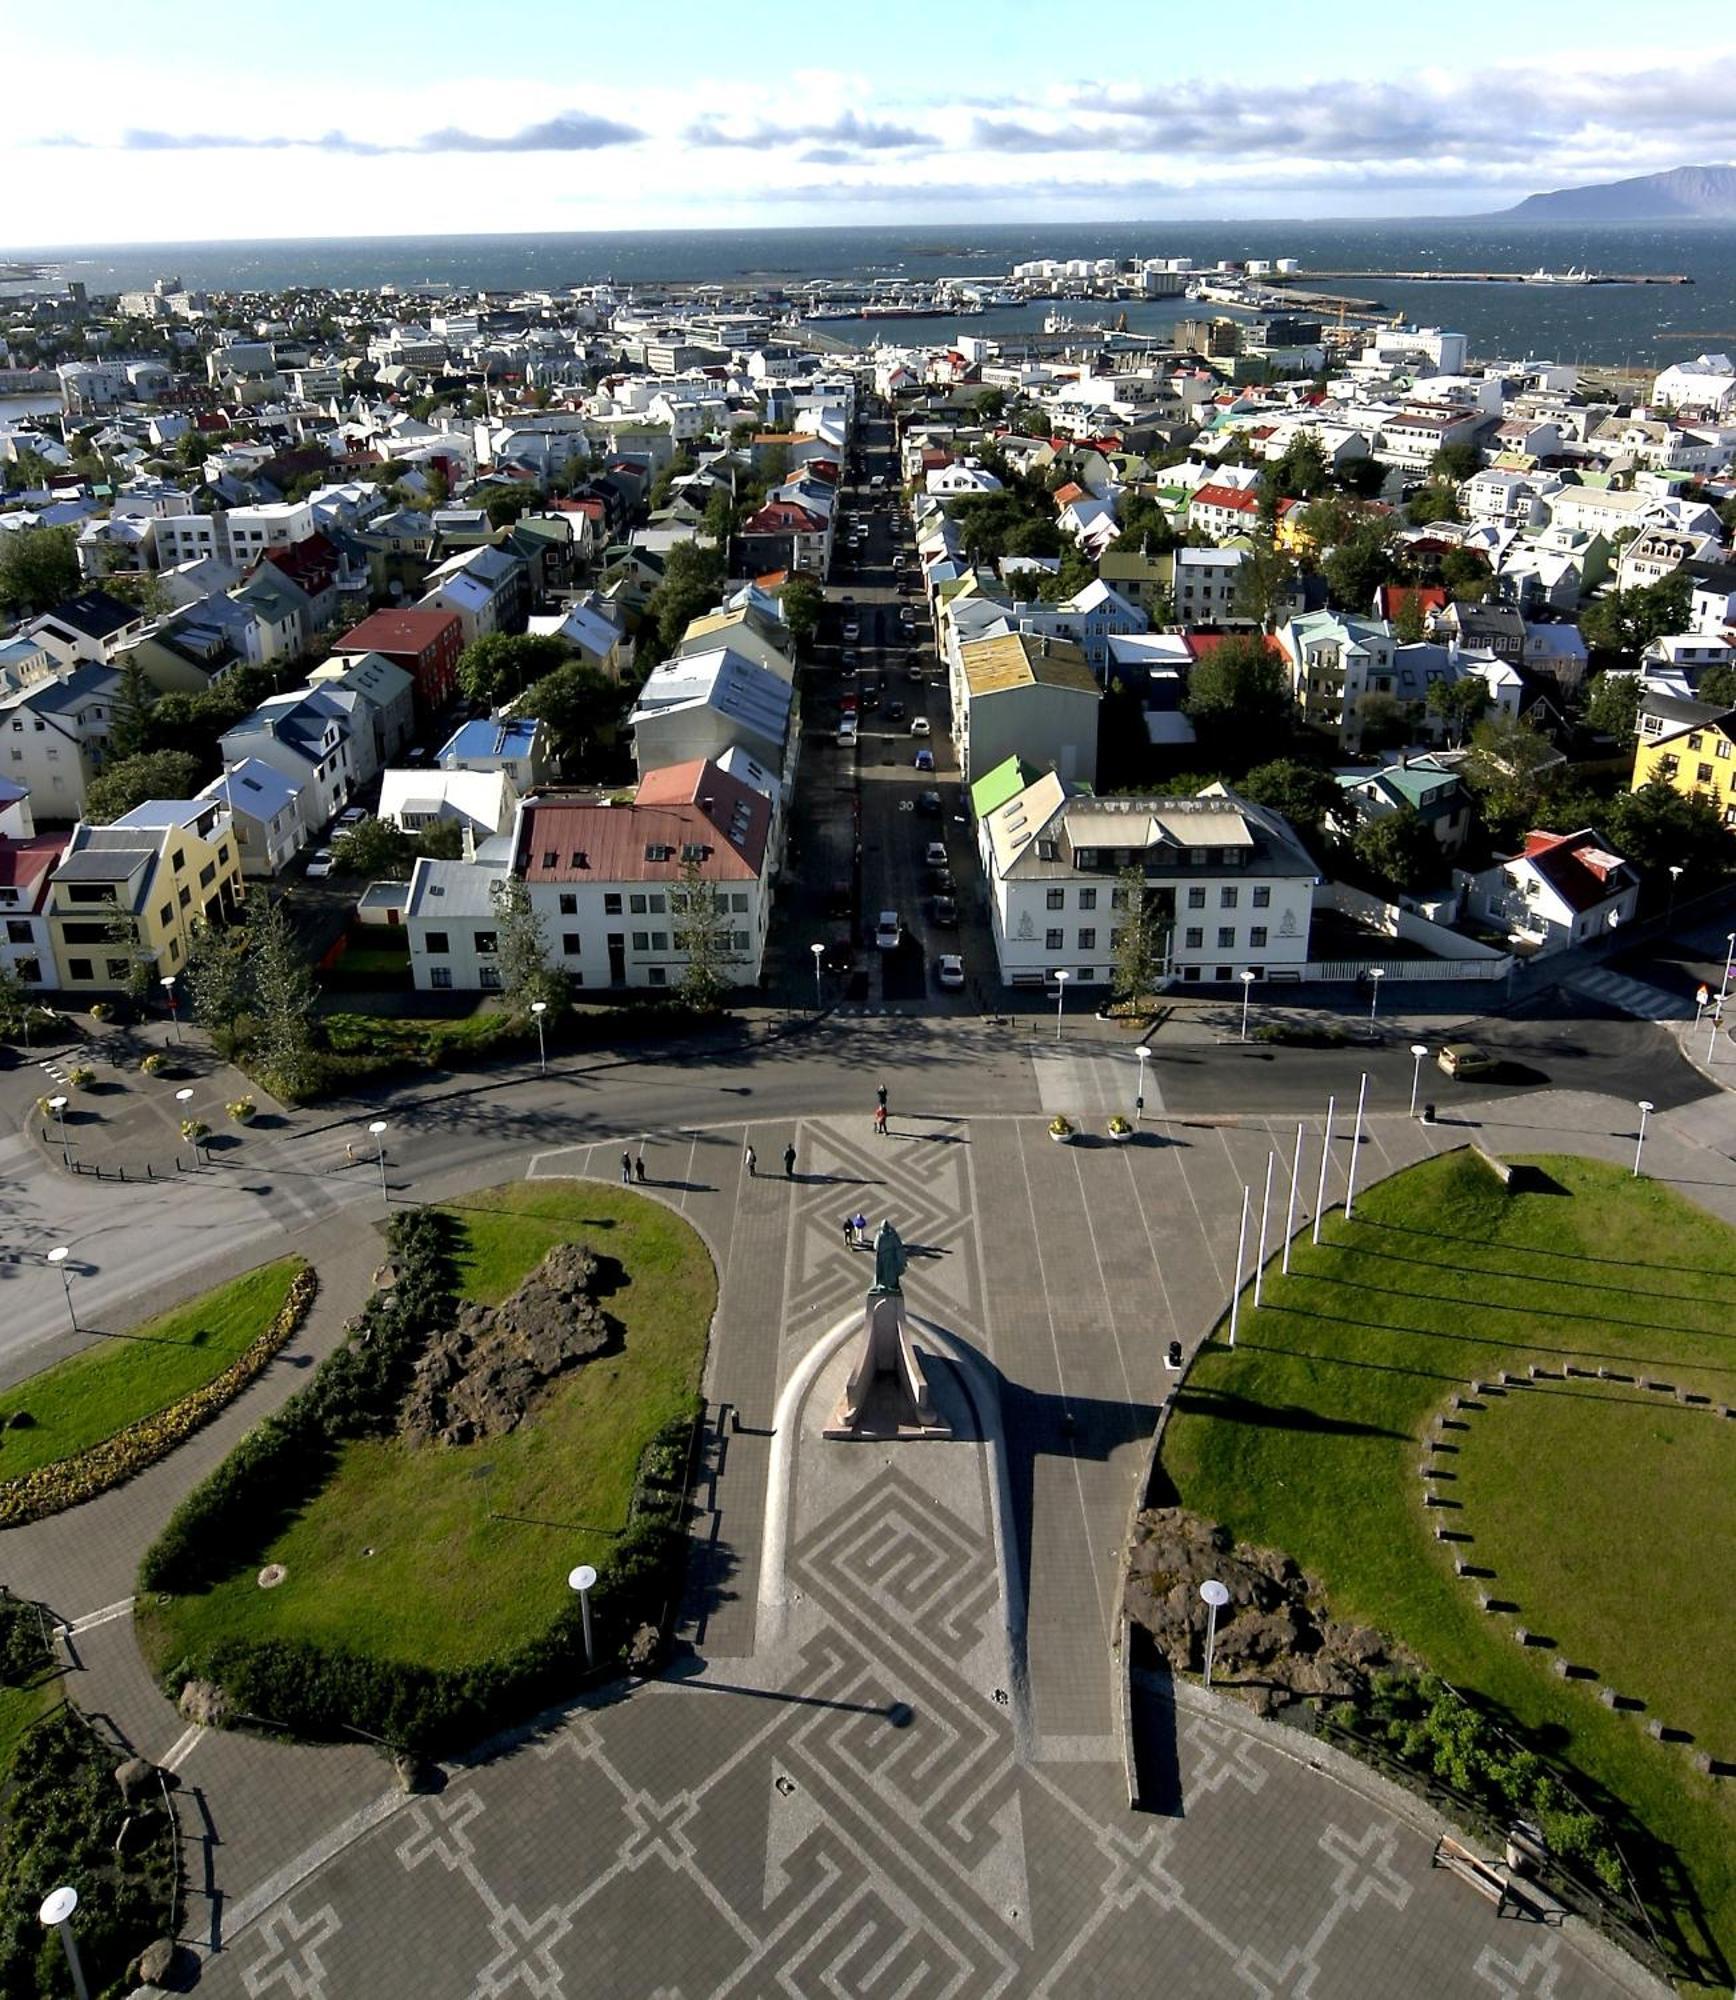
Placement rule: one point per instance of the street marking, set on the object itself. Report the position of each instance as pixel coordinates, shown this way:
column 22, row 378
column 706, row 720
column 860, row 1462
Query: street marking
column 292, row 1874
column 182, row 1747
column 106, row 1616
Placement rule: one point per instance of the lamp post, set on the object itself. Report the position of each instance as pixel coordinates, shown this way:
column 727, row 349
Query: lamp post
column 378, row 1128
column 1418, row 1051
column 56, row 1915
column 1355, row 1148
column 1216, row 1597
column 1376, row 974
column 1647, row 1107
column 1675, row 877
column 819, row 951
column 1247, row 995
column 58, row 1106
column 168, row 986
column 539, row 1008
column 57, row 1257
column 1060, row 999
column 1144, row 1054
column 184, row 1098
column 1730, row 940
column 581, row 1580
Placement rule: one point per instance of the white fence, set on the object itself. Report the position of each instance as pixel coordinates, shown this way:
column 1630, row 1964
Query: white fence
column 1414, row 969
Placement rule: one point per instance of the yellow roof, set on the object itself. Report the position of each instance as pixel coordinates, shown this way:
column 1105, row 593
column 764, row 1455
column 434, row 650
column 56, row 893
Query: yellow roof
column 1022, row 659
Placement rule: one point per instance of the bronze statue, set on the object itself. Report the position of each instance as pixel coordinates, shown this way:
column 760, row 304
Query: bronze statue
column 890, row 1262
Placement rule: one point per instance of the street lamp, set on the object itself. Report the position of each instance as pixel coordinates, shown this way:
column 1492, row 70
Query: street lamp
column 1376, row 974
column 1647, row 1107
column 581, row 1580
column 1418, row 1051
column 378, row 1128
column 56, row 1915
column 819, row 951
column 1247, row 995
column 1675, row 877
column 58, row 1106
column 1730, row 937
column 1144, row 1054
column 1216, row 1597
column 57, row 1257
column 539, row 1008
column 168, row 986
column 1060, row 999
column 184, row 1098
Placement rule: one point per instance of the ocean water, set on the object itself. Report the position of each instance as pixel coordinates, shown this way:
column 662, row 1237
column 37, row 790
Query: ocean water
column 1642, row 326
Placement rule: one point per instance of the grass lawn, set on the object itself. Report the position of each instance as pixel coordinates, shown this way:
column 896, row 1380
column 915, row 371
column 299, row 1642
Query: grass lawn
column 452, row 1555
column 1599, row 1505
column 78, row 1403
column 19, row 1707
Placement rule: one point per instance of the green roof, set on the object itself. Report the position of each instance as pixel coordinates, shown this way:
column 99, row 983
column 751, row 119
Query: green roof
column 993, row 789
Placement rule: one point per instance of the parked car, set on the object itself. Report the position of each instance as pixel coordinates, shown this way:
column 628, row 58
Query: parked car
column 946, row 912
column 888, row 931
column 1462, row 1060
column 936, row 855
column 949, row 970
column 895, row 711
column 319, row 863
column 919, row 726
column 925, row 760
column 351, row 816
column 852, row 631
column 929, row 804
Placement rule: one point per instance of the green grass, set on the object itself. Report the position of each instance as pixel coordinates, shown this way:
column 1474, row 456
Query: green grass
column 1601, row 1506
column 447, row 1582
column 19, row 1708
column 79, row 1402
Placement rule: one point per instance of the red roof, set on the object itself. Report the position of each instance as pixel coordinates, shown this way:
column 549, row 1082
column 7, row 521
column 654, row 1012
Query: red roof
column 1200, row 644
column 25, row 865
column 783, row 517
column 397, row 632
column 1393, row 598
column 682, row 813
column 1582, row 871
column 311, row 562
column 1064, row 496
column 1227, row 496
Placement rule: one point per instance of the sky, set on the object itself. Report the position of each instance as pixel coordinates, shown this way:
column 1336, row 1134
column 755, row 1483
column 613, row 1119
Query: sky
column 192, row 121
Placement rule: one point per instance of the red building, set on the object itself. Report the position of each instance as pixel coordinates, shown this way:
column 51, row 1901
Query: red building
column 426, row 644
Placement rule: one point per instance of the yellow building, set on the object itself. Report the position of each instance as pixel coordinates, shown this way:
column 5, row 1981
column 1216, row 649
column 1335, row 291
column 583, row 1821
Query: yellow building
column 1698, row 762
column 133, row 891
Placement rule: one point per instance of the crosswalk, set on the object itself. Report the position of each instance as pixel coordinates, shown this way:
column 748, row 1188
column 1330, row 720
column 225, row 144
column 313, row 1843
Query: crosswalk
column 1630, row 996
column 1080, row 1081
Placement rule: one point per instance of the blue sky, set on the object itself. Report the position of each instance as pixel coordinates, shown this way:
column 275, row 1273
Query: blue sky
column 353, row 120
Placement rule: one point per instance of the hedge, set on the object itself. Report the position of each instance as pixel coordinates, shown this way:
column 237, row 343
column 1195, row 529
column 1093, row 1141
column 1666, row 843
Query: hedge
column 69, row 1482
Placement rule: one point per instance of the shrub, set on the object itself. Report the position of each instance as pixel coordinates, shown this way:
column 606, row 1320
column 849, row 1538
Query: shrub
column 195, row 1129
column 99, row 1010
column 155, row 1063
column 24, row 1651
column 80, row 1078
column 1119, row 1127
column 1060, row 1128
column 242, row 1110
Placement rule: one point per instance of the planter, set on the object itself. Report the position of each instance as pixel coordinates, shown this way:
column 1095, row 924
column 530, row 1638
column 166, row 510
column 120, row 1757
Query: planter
column 1120, row 1138
column 1061, row 1133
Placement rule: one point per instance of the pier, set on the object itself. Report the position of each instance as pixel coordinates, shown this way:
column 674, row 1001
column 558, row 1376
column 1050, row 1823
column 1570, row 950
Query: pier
column 1284, row 278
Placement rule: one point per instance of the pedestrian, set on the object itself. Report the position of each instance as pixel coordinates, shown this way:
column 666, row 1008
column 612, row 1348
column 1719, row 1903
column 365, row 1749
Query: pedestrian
column 859, row 1223
column 790, row 1161
column 849, row 1232
column 350, row 1151
column 880, row 1097
column 752, row 1164
column 626, row 1169
column 880, row 1121
column 639, row 1168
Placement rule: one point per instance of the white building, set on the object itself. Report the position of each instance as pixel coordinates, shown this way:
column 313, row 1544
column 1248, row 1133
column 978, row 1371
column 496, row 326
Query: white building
column 307, row 737
column 262, row 803
column 1560, row 890
column 1708, row 382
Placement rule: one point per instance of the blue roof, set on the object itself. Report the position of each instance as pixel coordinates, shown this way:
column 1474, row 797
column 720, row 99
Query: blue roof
column 511, row 737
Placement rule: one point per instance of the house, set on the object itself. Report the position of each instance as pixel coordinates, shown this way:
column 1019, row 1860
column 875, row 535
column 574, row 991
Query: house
column 1142, row 579
column 308, row 737
column 1502, row 498
column 1439, row 798
column 381, row 700
column 22, row 661
column 1708, row 382
column 702, row 704
column 1712, row 596
column 1482, row 628
column 782, row 534
column 480, row 803
column 767, row 641
column 275, row 614
column 593, row 628
column 487, row 589
column 93, row 626
column 261, row 804
column 425, row 643
column 1696, row 758
column 27, row 865
column 162, row 868
column 1216, row 509
column 517, row 746
column 1657, row 553
column 1559, row 890
column 1555, row 652
column 1335, row 660
column 55, row 736
column 1022, row 694
column 1232, row 886
column 1207, row 586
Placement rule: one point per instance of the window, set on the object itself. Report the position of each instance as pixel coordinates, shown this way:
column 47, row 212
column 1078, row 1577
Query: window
column 1056, row 899
column 118, row 968
column 165, row 914
column 487, row 943
column 207, row 874
column 1118, row 899
column 636, row 903
column 1227, row 898
column 440, row 977
column 1226, row 937
column 178, row 860
column 657, row 976
column 1723, row 746
column 1262, row 899
column 549, row 857
column 1257, row 938
column 29, row 971
column 17, row 931
column 1196, row 939
column 641, row 940
column 185, row 896
column 1084, row 857
column 1115, row 938
column 489, row 978
column 659, row 940
column 1703, row 774
column 1052, row 940
column 1088, row 940
column 658, row 905
column 569, row 904
column 436, row 943
column 612, row 905
column 79, row 968
column 1696, row 741
column 1196, row 899
column 739, row 943
column 1197, row 857
column 738, row 902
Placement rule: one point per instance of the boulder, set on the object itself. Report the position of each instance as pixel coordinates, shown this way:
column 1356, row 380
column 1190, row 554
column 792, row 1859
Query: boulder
column 156, row 1963
column 644, row 1651
column 134, row 1777
column 204, row 1702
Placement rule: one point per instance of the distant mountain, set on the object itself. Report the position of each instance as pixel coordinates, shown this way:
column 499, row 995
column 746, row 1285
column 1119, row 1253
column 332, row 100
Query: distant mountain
column 1682, row 194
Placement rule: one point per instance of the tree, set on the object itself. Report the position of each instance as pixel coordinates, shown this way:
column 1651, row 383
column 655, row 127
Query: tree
column 1263, row 584
column 1076, row 573
column 130, row 718
column 692, row 580
column 1612, row 707
column 1306, row 796
column 281, row 993
column 1144, row 526
column 1033, row 537
column 702, row 934
column 1507, row 766
column 217, row 981
column 1658, row 825
column 375, row 847
column 1408, row 622
column 501, row 665
column 1627, row 621
column 990, row 405
column 38, row 569
column 580, row 707
column 503, row 508
column 1241, row 691
column 1359, row 565
column 14, row 1000
column 1364, row 477
column 1301, row 470
column 159, row 774
column 144, row 592
column 720, row 516
column 1460, row 705
column 1142, row 946
column 1399, row 851
column 1438, row 501
column 527, row 972
column 1718, row 685
column 1382, row 721
column 802, row 601
column 141, row 974
column 1466, row 575
column 1455, row 462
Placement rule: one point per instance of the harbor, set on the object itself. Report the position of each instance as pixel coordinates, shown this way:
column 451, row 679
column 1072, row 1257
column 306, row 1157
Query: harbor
column 1538, row 277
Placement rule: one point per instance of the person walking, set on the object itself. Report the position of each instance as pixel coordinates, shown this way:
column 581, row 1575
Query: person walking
column 626, row 1169
column 849, row 1232
column 752, row 1163
column 350, row 1151
column 790, row 1161
column 859, row 1223
column 880, row 1097
column 639, row 1167
column 880, row 1121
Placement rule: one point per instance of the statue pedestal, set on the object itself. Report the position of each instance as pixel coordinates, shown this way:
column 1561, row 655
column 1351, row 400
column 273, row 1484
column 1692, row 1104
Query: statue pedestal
column 887, row 1395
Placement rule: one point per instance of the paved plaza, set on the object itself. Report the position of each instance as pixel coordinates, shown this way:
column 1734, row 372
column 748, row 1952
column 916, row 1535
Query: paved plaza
column 885, row 1760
